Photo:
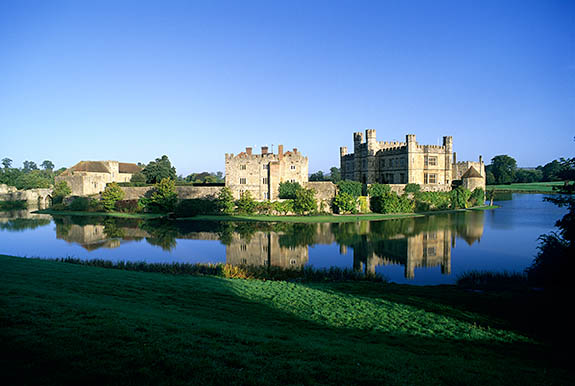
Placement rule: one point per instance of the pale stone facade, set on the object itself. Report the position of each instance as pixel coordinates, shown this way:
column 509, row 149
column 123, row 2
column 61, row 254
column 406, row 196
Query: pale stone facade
column 40, row 198
column 261, row 174
column 90, row 177
column 434, row 167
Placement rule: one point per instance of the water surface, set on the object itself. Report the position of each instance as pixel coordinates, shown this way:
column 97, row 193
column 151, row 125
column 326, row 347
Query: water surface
column 424, row 250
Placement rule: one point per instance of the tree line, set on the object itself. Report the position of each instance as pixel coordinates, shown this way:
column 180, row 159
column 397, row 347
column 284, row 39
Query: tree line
column 30, row 175
column 503, row 170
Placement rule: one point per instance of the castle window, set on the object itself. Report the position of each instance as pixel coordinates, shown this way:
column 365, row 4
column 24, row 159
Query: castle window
column 293, row 261
column 266, row 196
column 265, row 180
column 429, row 178
column 242, row 181
column 402, row 178
column 430, row 160
column 293, row 167
column 243, row 167
column 266, row 167
column 431, row 251
column 243, row 247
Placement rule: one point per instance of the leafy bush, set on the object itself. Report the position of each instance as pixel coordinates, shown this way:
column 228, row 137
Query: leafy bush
column 412, row 188
column 352, row 188
column 128, row 206
column 163, row 199
column 392, row 203
column 305, row 202
column 138, row 179
column 378, row 190
column 80, row 204
column 345, row 203
column 426, row 201
column 195, row 207
column 61, row 190
column 477, row 197
column 11, row 205
column 289, row 189
column 459, row 198
column 264, row 207
column 246, row 204
column 225, row 201
column 111, row 194
column 283, row 207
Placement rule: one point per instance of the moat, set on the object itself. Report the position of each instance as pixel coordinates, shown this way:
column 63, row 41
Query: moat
column 423, row 250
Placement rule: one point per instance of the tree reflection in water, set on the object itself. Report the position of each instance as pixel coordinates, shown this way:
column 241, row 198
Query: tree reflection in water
column 410, row 242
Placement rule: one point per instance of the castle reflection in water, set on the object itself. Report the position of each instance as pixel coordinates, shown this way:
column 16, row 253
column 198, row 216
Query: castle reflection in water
column 418, row 242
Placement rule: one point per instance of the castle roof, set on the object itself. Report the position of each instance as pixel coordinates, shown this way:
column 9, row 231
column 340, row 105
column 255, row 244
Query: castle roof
column 129, row 168
column 101, row 167
column 471, row 173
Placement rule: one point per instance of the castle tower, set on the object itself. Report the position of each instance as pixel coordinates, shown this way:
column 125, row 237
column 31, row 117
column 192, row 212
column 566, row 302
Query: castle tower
column 357, row 156
column 411, row 158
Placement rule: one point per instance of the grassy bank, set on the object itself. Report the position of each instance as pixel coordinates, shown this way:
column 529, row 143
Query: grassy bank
column 108, row 214
column 71, row 324
column 532, row 187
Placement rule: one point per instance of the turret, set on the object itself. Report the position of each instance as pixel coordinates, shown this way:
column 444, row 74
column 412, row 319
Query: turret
column 448, row 143
column 343, row 151
column 248, row 150
column 410, row 140
column 371, row 140
column 357, row 140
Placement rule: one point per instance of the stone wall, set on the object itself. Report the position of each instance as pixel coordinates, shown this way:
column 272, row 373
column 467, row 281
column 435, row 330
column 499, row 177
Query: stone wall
column 184, row 192
column 40, row 198
column 325, row 191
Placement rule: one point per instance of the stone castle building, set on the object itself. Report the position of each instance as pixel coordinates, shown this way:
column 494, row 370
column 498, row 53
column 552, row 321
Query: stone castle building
column 434, row 167
column 261, row 174
column 90, row 177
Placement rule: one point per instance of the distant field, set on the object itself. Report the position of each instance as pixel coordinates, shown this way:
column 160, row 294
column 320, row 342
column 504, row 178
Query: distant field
column 532, row 187
column 66, row 324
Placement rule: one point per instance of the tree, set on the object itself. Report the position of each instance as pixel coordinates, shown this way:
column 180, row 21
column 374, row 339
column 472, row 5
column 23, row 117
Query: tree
column 503, row 168
column 158, row 170
column 111, row 194
column 345, row 203
column 334, row 174
column 61, row 190
column 305, row 201
column 225, row 201
column 138, row 178
column 30, row 165
column 246, row 204
column 288, row 189
column 528, row 175
column 551, row 171
column 164, row 197
column 351, row 187
column 6, row 162
column 317, row 176
column 47, row 165
column 567, row 172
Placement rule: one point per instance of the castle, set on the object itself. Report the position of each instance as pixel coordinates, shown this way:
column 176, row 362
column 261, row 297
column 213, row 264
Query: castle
column 433, row 167
column 90, row 177
column 261, row 174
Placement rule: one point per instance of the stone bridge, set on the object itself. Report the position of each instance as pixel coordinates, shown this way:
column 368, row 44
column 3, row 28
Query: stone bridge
column 37, row 198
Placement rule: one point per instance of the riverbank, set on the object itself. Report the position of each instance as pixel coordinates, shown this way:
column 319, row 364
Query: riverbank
column 326, row 218
column 70, row 324
column 532, row 187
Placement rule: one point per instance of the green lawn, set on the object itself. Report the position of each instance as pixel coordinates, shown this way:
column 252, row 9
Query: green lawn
column 70, row 324
column 532, row 187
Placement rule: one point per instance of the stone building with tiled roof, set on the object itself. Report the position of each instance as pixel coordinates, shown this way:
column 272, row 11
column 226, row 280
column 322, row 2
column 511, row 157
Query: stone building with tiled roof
column 90, row 177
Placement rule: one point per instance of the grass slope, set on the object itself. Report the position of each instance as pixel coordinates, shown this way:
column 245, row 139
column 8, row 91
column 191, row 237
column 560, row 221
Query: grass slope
column 69, row 324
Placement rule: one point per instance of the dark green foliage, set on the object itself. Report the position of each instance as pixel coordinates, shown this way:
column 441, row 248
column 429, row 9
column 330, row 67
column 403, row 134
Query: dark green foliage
column 283, row 207
column 378, row 190
column 79, row 204
column 345, row 203
column 128, row 206
column 6, row 163
column 305, row 202
column 555, row 262
column 477, row 197
column 61, row 190
column 158, row 170
column 195, row 207
column 459, row 198
column 503, row 168
column 528, row 175
column 225, row 201
column 246, row 204
column 288, row 190
column 138, row 179
column 206, row 178
column 412, row 188
column 352, row 188
column 318, row 176
column 111, row 194
column 433, row 201
column 13, row 205
column 490, row 281
column 47, row 165
column 489, row 178
column 29, row 177
column 29, row 166
column 392, row 203
column 551, row 171
column 334, row 174
column 163, row 198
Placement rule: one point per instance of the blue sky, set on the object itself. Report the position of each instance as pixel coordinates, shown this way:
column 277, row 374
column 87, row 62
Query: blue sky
column 132, row 80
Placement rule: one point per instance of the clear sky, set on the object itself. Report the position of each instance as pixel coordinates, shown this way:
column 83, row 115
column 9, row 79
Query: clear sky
column 132, row 80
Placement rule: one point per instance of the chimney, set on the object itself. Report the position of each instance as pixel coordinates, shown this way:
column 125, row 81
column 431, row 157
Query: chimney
column 248, row 150
column 264, row 150
column 280, row 152
column 295, row 150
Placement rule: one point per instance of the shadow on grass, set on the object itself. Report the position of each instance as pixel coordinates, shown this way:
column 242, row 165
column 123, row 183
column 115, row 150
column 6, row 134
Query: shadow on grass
column 66, row 324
